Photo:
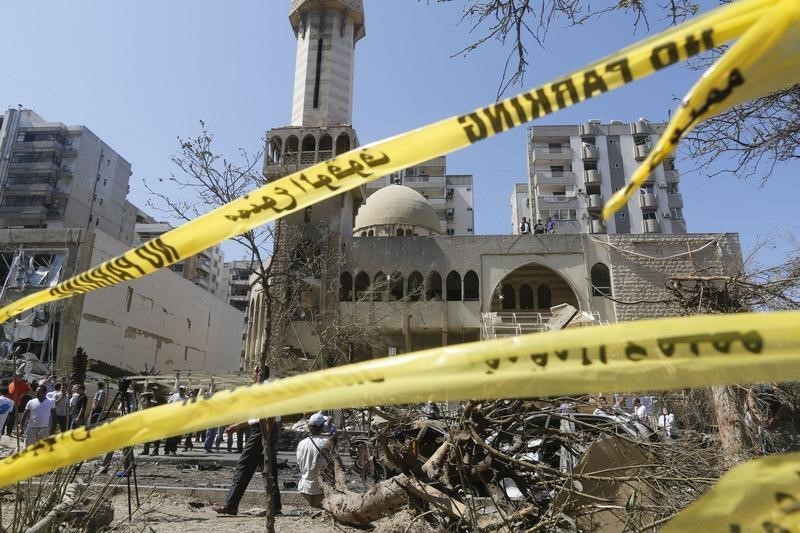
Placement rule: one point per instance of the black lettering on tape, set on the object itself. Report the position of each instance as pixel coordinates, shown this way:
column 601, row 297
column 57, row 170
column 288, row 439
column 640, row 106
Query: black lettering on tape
column 126, row 265
column 567, row 86
column 518, row 107
column 664, row 55
column 539, row 103
column 473, row 126
column 593, row 83
column 622, row 68
column 499, row 118
column 634, row 352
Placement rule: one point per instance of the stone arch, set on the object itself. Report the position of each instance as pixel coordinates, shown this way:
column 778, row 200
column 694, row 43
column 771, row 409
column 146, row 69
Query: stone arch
column 535, row 275
column 601, row 280
column 399, row 232
column 525, row 297
column 544, row 296
column 433, row 288
column 509, row 297
column 379, row 287
column 276, row 149
column 345, row 287
column 292, row 149
column 409, row 232
column 416, row 286
column 308, row 149
column 325, row 147
column 453, row 285
column 396, row 285
column 362, row 286
column 471, row 287
column 342, row 143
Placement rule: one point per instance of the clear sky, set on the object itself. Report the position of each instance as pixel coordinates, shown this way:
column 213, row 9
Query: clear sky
column 140, row 74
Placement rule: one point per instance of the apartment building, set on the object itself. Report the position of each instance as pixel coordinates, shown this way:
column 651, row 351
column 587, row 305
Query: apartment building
column 574, row 169
column 57, row 176
column 237, row 276
column 451, row 195
column 204, row 269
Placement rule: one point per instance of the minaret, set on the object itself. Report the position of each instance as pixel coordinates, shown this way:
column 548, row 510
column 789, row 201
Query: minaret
column 327, row 32
column 311, row 244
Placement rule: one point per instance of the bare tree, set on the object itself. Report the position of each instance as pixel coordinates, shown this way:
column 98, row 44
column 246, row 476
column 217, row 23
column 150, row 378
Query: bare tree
column 754, row 136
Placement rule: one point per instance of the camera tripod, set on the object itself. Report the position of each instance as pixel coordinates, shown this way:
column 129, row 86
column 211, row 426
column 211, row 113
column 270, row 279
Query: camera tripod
column 128, row 458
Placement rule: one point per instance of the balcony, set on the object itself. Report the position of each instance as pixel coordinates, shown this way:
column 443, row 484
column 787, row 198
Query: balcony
column 554, row 178
column 597, row 226
column 647, row 200
column 437, row 202
column 422, row 181
column 561, row 201
column 672, row 176
column 674, row 200
column 589, row 152
column 592, row 177
column 595, row 202
column 642, row 127
column 652, row 226
column 641, row 151
column 43, row 187
column 548, row 154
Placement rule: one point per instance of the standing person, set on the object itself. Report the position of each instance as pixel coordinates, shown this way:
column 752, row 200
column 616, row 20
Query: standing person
column 79, row 407
column 187, row 443
column 538, row 228
column 16, row 390
column 39, row 415
column 211, row 433
column 6, row 405
column 550, row 227
column 524, row 226
column 60, row 398
column 639, row 410
column 252, row 456
column 98, row 402
column 171, row 444
column 146, row 401
column 310, row 459
column 768, row 405
column 666, row 421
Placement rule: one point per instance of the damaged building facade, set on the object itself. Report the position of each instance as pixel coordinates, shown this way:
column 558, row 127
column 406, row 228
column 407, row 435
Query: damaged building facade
column 64, row 209
column 399, row 275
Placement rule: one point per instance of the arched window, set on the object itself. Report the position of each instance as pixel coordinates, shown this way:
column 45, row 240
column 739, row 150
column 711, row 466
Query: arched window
column 309, row 144
column 342, row 144
column 363, row 233
column 601, row 280
column 292, row 147
column 409, row 233
column 370, row 233
column 399, row 232
column 415, row 287
column 471, row 287
column 362, row 286
column 276, row 144
column 345, row 287
column 325, row 147
column 379, row 287
column 434, row 289
column 544, row 297
column 453, row 287
column 396, row 287
column 509, row 298
column 525, row 297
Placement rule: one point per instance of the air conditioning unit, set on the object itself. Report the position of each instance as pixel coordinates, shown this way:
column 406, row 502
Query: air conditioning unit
column 667, row 214
column 662, row 185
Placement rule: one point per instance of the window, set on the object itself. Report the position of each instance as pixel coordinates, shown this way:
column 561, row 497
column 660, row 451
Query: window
column 557, row 171
column 318, row 74
column 507, row 297
column 601, row 280
column 396, row 284
column 415, row 287
column 554, row 148
column 451, row 231
column 620, row 215
column 469, row 230
column 649, row 216
column 471, row 287
column 434, row 288
column 469, row 209
column 525, row 297
column 544, row 296
column 453, row 284
column 345, row 287
column 676, row 213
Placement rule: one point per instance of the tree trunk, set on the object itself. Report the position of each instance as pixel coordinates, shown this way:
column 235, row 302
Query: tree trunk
column 732, row 432
column 360, row 510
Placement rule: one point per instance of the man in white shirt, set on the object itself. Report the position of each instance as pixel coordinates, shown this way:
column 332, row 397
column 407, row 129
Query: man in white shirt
column 98, row 403
column 639, row 410
column 60, row 399
column 39, row 413
column 310, row 458
column 6, row 405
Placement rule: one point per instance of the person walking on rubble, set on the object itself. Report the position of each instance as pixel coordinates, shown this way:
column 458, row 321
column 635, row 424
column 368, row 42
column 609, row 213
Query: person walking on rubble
column 311, row 457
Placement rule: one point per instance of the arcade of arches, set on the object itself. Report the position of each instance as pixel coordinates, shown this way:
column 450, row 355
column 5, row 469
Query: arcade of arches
column 532, row 288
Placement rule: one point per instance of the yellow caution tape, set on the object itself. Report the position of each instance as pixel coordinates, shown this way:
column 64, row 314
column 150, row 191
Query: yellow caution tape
column 765, row 59
column 352, row 169
column 759, row 495
column 646, row 355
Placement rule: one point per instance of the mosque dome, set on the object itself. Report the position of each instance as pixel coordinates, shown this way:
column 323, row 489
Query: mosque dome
column 397, row 207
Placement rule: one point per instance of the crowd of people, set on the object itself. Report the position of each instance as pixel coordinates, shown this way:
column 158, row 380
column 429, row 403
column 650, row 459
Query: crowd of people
column 539, row 228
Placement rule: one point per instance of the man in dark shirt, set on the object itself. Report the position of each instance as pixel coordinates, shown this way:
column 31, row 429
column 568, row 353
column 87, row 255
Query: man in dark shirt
column 538, row 228
column 79, row 407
